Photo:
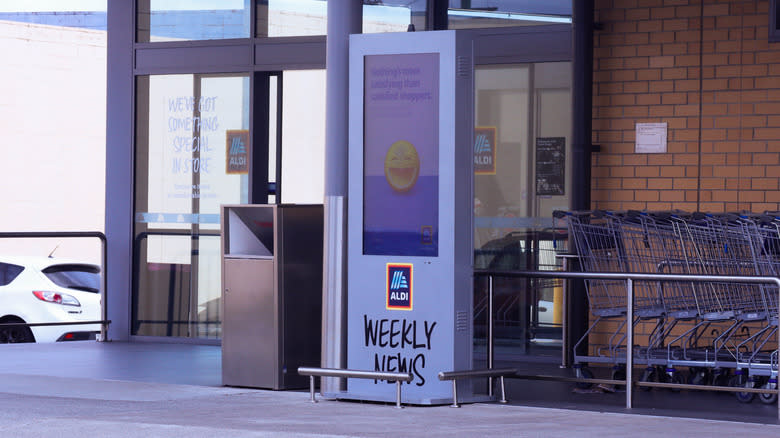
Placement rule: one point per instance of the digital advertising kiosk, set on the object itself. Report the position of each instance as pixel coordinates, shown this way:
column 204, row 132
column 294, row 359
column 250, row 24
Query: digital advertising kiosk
column 410, row 272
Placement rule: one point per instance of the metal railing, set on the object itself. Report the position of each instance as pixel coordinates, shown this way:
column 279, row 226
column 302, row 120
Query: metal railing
column 171, row 321
column 490, row 373
column 398, row 378
column 104, row 267
column 630, row 278
column 103, row 325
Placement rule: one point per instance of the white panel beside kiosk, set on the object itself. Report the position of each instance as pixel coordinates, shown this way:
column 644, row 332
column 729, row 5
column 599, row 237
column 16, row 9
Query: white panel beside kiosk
column 409, row 212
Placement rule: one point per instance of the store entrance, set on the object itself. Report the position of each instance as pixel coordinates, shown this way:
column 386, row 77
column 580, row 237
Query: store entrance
column 204, row 140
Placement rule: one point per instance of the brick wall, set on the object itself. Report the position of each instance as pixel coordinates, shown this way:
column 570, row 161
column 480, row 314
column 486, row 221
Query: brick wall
column 709, row 72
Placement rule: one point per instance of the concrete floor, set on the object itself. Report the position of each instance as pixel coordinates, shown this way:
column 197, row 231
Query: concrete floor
column 171, row 390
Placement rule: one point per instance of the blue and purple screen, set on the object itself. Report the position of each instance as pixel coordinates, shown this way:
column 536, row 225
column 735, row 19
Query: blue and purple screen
column 401, row 155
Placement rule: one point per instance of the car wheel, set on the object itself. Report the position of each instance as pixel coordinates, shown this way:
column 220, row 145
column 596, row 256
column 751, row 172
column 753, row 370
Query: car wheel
column 15, row 335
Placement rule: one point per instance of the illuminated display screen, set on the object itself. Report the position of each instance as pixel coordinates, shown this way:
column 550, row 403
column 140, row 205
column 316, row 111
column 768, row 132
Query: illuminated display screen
column 401, row 155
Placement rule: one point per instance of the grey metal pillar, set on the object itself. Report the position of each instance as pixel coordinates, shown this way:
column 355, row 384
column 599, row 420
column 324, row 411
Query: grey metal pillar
column 119, row 167
column 582, row 89
column 344, row 18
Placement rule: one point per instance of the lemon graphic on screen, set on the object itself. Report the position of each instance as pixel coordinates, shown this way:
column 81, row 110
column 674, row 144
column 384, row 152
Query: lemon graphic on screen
column 402, row 166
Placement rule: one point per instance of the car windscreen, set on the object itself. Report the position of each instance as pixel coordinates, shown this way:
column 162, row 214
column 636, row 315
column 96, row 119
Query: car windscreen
column 73, row 276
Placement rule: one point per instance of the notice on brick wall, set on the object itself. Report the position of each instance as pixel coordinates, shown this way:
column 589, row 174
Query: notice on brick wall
column 650, row 138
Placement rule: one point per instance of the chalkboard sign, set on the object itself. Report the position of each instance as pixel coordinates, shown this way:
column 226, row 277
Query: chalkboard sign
column 550, row 166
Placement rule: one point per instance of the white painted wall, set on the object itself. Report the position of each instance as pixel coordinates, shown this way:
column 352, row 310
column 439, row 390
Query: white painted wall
column 52, row 136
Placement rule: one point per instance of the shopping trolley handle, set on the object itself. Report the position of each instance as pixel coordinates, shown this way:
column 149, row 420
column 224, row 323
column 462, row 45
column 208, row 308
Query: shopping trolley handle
column 734, row 217
column 698, row 215
column 766, row 219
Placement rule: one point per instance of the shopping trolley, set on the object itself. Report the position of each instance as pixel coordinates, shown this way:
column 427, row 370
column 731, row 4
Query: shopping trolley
column 711, row 328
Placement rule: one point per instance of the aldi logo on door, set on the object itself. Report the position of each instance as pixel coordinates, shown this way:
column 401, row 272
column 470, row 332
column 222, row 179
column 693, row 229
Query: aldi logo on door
column 399, row 286
column 485, row 150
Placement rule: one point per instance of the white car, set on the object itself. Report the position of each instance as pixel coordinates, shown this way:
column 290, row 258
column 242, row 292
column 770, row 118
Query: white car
column 36, row 290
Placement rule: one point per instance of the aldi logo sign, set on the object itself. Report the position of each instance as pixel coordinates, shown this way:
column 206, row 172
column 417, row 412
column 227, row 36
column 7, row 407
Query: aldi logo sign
column 485, row 150
column 237, row 150
column 399, row 286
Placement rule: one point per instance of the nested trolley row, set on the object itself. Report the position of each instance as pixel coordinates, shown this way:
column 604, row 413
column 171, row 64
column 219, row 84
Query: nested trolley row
column 720, row 331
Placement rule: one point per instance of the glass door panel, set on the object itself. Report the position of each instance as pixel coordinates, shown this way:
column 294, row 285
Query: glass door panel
column 192, row 155
column 521, row 168
column 303, row 137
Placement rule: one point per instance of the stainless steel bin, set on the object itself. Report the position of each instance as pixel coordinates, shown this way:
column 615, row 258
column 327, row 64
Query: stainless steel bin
column 271, row 293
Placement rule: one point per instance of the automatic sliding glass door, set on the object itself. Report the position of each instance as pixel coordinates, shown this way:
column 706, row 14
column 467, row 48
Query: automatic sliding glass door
column 521, row 174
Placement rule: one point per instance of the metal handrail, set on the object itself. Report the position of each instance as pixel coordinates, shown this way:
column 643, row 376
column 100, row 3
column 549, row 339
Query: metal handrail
column 490, row 372
column 398, row 378
column 104, row 260
column 44, row 324
column 629, row 278
column 103, row 325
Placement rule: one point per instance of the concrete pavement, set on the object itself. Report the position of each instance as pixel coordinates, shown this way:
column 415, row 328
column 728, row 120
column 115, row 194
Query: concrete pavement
column 43, row 395
column 50, row 407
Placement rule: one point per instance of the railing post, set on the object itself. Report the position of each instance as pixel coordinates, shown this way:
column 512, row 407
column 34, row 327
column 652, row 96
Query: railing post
column 455, row 394
column 566, row 351
column 503, row 390
column 311, row 389
column 490, row 352
column 398, row 394
column 565, row 362
column 629, row 340
column 104, row 291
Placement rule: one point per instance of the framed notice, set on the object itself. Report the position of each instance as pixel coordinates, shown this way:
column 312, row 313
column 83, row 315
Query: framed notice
column 650, row 138
column 550, row 166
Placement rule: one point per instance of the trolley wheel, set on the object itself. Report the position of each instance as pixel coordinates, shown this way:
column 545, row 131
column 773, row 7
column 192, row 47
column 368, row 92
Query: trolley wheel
column 584, row 373
column 737, row 380
column 648, row 375
column 677, row 378
column 768, row 399
column 699, row 376
column 619, row 373
column 740, row 380
column 721, row 377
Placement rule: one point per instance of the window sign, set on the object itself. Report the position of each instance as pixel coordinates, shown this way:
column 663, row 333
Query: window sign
column 550, row 166
column 401, row 155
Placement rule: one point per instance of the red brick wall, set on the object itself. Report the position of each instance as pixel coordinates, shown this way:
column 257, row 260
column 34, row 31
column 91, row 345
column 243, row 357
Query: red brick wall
column 710, row 73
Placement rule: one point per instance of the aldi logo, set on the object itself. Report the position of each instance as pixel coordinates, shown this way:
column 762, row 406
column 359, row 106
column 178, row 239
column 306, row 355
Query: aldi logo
column 237, row 151
column 485, row 150
column 399, row 286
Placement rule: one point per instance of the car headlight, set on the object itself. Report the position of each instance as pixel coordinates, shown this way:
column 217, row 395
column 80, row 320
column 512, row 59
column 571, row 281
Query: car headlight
column 57, row 298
